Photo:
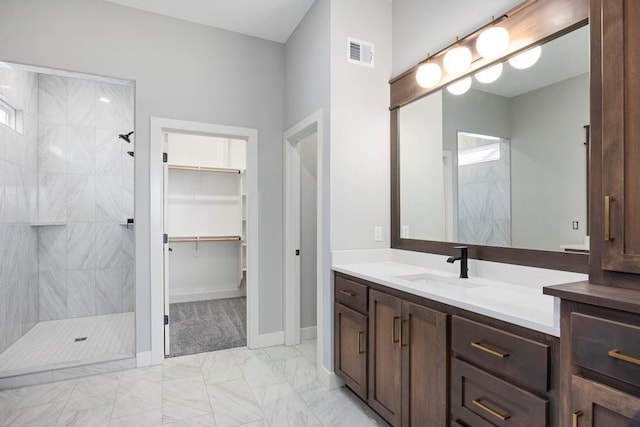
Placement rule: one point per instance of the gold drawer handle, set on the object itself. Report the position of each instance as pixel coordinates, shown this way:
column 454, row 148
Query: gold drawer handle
column 394, row 327
column 495, row 413
column 615, row 353
column 607, row 218
column 488, row 350
column 574, row 418
column 360, row 350
column 348, row 293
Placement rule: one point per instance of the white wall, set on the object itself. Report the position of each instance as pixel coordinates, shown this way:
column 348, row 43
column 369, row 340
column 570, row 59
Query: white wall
column 182, row 71
column 421, row 175
column 308, row 225
column 548, row 169
column 421, row 27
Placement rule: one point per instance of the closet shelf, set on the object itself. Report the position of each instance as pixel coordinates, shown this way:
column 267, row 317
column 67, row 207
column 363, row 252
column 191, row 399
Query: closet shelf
column 204, row 169
column 205, row 239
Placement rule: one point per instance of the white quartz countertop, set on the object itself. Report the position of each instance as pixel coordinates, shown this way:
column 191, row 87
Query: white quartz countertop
column 517, row 301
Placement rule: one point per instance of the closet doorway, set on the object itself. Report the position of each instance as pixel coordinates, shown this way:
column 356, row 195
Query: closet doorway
column 205, row 238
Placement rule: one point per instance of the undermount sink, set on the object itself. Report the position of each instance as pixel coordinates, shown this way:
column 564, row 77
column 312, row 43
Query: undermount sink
column 434, row 281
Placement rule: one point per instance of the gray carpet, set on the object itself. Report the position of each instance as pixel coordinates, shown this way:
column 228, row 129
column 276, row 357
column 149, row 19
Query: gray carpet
column 201, row 326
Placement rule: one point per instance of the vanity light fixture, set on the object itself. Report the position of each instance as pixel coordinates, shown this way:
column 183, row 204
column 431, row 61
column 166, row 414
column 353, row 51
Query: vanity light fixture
column 428, row 75
column 489, row 75
column 457, row 60
column 526, row 59
column 460, row 87
column 492, row 42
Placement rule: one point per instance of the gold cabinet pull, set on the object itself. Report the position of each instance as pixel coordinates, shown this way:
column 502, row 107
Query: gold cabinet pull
column 607, row 218
column 488, row 350
column 394, row 328
column 360, row 350
column 402, row 333
column 347, row 293
column 574, row 418
column 479, row 404
column 615, row 353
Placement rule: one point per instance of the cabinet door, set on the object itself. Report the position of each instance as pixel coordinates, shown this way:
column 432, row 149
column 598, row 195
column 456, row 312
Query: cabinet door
column 424, row 366
column 596, row 405
column 351, row 348
column 385, row 362
column 620, row 67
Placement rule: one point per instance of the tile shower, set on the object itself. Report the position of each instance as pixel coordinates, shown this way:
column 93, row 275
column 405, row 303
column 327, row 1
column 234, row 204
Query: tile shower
column 66, row 186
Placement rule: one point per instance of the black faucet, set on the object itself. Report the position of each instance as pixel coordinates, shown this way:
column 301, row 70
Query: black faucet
column 464, row 255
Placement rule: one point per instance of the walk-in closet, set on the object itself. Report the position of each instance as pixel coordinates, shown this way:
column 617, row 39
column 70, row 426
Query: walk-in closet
column 205, row 223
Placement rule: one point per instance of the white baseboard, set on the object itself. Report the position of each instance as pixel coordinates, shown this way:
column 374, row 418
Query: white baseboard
column 207, row 295
column 144, row 359
column 309, row 333
column 269, row 340
column 329, row 379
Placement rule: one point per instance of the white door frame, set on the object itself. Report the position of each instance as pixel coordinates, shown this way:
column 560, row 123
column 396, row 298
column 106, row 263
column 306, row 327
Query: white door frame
column 158, row 127
column 291, row 225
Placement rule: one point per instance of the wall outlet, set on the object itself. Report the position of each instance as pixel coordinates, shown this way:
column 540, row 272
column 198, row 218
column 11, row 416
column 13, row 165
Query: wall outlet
column 377, row 234
column 575, row 225
column 404, row 232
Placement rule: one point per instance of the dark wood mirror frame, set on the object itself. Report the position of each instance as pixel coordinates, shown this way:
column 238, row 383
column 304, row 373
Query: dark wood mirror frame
column 534, row 22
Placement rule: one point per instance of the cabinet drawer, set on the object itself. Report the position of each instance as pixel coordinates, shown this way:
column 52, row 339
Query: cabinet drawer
column 484, row 400
column 351, row 294
column 605, row 346
column 519, row 358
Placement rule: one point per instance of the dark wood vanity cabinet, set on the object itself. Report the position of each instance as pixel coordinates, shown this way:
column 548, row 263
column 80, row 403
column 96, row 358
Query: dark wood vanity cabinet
column 351, row 334
column 499, row 378
column 408, row 362
column 615, row 150
column 398, row 361
column 600, row 355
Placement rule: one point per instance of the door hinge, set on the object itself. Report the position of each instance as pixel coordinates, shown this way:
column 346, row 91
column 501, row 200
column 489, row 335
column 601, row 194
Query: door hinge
column 165, row 157
column 165, row 238
column 166, row 319
column 297, row 252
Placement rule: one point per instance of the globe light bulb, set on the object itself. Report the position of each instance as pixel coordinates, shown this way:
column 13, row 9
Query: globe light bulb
column 492, row 42
column 526, row 59
column 490, row 74
column 459, row 87
column 457, row 60
column 428, row 75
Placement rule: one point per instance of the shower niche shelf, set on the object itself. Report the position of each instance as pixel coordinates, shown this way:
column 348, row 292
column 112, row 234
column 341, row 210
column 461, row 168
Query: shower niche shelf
column 48, row 224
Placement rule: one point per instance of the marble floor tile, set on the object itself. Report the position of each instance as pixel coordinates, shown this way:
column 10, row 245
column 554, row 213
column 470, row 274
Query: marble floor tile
column 93, row 392
column 138, row 394
column 42, row 415
column 184, row 398
column 44, row 394
column 181, row 367
column 300, row 373
column 282, row 406
column 309, row 350
column 259, row 370
column 233, row 403
column 201, row 421
column 219, row 366
column 281, row 352
column 94, row 417
column 146, row 419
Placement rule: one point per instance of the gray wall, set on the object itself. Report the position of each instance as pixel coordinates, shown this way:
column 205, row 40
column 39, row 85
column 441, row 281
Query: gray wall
column 421, row 27
column 182, row 71
column 549, row 164
column 308, row 222
column 18, row 209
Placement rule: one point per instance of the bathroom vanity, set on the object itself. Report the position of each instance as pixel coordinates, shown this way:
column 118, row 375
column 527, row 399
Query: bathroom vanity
column 530, row 339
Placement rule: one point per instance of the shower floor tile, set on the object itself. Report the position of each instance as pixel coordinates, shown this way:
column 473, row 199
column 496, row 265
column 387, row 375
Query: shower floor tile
column 56, row 344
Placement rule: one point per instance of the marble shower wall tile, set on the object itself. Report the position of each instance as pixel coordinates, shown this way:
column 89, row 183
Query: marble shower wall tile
column 128, row 289
column 81, row 198
column 52, row 197
column 52, row 148
column 81, row 244
column 53, row 295
column 52, row 248
column 81, row 293
column 81, row 150
column 108, row 245
column 52, row 99
column 108, row 199
column 81, row 100
column 109, row 291
column 109, row 153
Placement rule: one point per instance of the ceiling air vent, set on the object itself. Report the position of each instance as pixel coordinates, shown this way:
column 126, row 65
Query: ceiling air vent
column 359, row 52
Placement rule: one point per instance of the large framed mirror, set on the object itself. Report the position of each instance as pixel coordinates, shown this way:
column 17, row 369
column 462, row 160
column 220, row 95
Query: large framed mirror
column 503, row 166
